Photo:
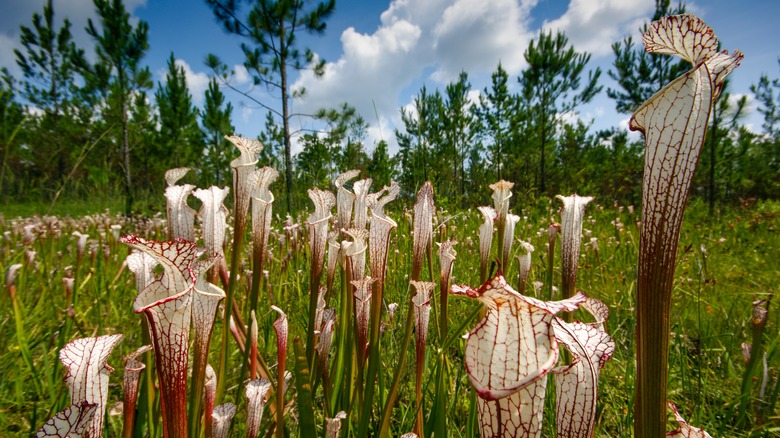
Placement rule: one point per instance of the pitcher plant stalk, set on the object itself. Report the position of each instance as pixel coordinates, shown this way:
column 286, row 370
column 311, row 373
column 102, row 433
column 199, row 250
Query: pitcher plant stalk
column 280, row 327
column 243, row 171
column 524, row 266
column 87, row 376
column 422, row 238
column 323, row 201
column 674, row 122
column 572, row 214
column 131, row 380
column 422, row 311
column 502, row 191
column 485, row 241
column 262, row 210
column 379, row 245
column 205, row 302
column 167, row 304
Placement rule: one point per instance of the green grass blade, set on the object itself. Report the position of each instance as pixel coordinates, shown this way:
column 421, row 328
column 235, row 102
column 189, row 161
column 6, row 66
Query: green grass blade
column 303, row 385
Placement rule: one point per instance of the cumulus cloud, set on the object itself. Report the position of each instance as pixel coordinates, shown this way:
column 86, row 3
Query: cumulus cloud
column 589, row 23
column 473, row 35
column 417, row 41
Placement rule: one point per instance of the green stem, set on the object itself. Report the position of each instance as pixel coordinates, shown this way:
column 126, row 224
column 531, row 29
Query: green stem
column 393, row 393
column 344, row 352
column 224, row 351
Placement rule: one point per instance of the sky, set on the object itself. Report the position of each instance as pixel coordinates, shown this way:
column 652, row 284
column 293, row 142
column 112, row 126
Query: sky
column 380, row 53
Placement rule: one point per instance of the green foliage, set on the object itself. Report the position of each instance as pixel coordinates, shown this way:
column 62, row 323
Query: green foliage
column 179, row 135
column 549, row 86
column 270, row 30
column 216, row 124
column 58, row 126
column 116, row 75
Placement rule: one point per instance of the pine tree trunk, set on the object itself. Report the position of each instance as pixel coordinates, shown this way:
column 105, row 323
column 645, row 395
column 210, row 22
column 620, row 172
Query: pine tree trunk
column 288, row 174
column 126, row 158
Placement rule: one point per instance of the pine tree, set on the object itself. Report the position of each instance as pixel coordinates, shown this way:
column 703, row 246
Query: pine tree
column 216, row 122
column 49, row 85
column 118, row 74
column 458, row 129
column 271, row 30
column 11, row 119
column 382, row 166
column 421, row 132
column 497, row 111
column 179, row 131
column 550, row 87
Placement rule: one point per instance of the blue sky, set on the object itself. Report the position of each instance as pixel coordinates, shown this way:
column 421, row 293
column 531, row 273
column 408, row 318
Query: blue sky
column 380, row 53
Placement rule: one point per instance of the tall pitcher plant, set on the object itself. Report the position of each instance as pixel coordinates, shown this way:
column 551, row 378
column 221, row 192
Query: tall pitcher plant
column 674, row 122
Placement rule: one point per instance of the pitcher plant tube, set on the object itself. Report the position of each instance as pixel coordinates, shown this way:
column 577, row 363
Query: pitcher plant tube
column 674, row 122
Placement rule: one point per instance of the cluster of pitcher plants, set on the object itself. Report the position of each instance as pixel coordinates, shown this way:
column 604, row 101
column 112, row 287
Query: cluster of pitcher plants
column 204, row 314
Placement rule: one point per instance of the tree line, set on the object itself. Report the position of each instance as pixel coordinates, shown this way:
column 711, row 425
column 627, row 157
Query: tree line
column 72, row 127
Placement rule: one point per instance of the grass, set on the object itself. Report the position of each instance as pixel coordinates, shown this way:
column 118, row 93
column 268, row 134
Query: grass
column 725, row 263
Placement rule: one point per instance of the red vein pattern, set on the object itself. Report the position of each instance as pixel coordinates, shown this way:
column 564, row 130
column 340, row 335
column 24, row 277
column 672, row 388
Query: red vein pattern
column 674, row 122
column 344, row 198
column 333, row 425
column 71, row 422
column 87, row 375
column 360, row 215
column 362, row 312
column 181, row 217
column 172, row 176
column 213, row 215
column 167, row 304
column 576, row 385
column 508, row 355
column 256, row 391
column 572, row 214
column 423, row 227
column 243, row 171
column 485, row 238
column 133, row 369
column 223, row 416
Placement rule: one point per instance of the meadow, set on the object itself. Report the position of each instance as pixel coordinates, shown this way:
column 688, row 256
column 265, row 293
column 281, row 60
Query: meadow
column 395, row 316
column 725, row 263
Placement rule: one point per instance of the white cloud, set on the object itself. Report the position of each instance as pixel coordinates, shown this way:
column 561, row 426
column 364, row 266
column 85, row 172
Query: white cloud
column 197, row 82
column 246, row 114
column 590, row 23
column 417, row 41
column 473, row 35
column 241, row 75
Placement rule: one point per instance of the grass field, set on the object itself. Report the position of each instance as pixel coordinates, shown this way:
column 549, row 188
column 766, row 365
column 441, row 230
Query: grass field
column 725, row 263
